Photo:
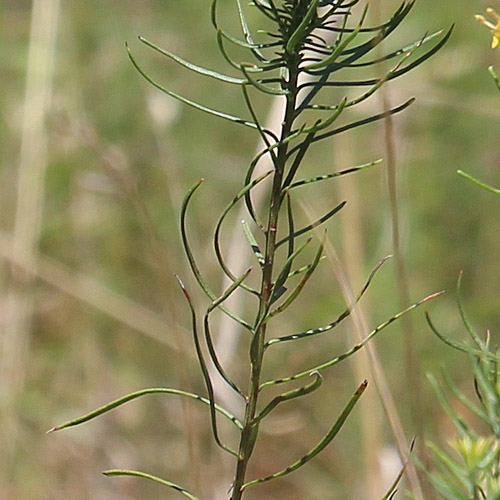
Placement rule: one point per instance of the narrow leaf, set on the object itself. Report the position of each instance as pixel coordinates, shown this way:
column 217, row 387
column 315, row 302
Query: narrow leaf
column 193, row 67
column 204, row 371
column 287, row 396
column 365, row 121
column 308, row 273
column 260, row 86
column 450, row 466
column 187, row 101
column 333, row 324
column 303, row 269
column 218, row 252
column 340, row 47
column 478, row 182
column 253, row 243
column 322, row 124
column 459, row 423
column 315, row 224
column 192, row 261
column 285, row 270
column 460, row 346
column 134, row 395
column 302, row 27
column 334, row 174
column 321, row 445
column 403, row 50
column 353, row 349
column 164, row 482
column 208, row 336
column 463, row 398
column 475, row 337
column 246, row 31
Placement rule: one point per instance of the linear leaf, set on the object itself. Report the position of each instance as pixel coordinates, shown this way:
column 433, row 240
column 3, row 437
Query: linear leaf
column 246, row 32
column 227, row 209
column 308, row 273
column 359, row 52
column 303, row 269
column 134, row 395
column 215, row 24
column 320, row 178
column 313, row 225
column 193, row 67
column 460, row 346
column 376, row 85
column 459, row 423
column 164, row 482
column 301, row 150
column 192, row 261
column 340, row 47
column 365, row 121
column 489, row 395
column 475, row 337
column 478, row 182
column 458, row 472
column 262, row 131
column 248, row 179
column 333, row 324
column 463, row 398
column 353, row 349
column 287, row 396
column 302, row 27
column 321, row 445
column 285, row 271
column 208, row 337
column 322, row 124
column 261, row 86
column 187, row 101
column 395, row 74
column 403, row 50
column 204, row 370
column 253, row 243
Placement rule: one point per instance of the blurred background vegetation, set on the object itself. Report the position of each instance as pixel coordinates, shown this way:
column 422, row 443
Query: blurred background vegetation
column 94, row 163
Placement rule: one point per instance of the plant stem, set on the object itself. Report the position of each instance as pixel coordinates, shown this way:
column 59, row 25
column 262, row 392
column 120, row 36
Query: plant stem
column 250, row 429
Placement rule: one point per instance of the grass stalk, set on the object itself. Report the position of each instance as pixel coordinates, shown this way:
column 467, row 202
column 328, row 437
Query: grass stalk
column 353, row 256
column 28, row 212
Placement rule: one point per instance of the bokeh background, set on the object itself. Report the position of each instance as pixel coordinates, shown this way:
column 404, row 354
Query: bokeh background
column 94, row 164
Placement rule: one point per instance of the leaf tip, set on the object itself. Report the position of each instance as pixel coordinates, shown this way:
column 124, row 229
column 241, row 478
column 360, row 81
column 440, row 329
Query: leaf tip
column 432, row 296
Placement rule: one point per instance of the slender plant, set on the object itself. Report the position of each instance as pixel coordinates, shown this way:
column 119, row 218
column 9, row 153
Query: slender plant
column 472, row 470
column 310, row 46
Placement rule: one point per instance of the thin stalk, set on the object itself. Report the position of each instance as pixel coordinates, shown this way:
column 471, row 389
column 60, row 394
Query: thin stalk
column 402, row 283
column 353, row 256
column 19, row 303
column 248, row 435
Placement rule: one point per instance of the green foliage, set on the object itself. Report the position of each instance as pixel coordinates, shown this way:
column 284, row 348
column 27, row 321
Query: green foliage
column 465, row 174
column 473, row 471
column 295, row 62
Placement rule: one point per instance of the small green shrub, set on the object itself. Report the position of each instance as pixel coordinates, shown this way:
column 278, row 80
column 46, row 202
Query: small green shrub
column 293, row 61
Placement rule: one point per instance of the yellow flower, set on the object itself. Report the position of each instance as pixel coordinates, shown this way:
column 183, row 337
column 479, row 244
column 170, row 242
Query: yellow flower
column 494, row 28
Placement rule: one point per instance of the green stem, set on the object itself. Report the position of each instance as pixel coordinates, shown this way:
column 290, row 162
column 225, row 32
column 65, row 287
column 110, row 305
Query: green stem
column 250, row 424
